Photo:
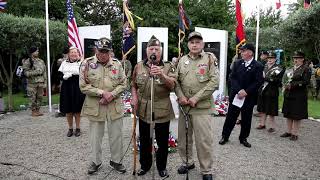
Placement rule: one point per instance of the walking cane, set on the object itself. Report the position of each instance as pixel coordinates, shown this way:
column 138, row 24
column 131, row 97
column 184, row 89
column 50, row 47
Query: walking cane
column 152, row 124
column 134, row 142
column 187, row 118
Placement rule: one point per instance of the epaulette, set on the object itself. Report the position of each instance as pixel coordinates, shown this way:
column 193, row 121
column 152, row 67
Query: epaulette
column 169, row 62
column 116, row 60
column 212, row 57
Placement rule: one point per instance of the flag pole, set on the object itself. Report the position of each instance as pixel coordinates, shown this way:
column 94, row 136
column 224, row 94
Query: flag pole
column 257, row 32
column 48, row 57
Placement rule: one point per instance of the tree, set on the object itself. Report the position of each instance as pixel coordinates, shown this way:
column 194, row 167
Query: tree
column 268, row 18
column 301, row 31
column 36, row 9
column 18, row 34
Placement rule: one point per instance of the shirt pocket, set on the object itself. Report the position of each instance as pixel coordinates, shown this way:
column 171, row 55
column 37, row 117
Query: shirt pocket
column 183, row 73
column 202, row 74
column 94, row 78
column 141, row 80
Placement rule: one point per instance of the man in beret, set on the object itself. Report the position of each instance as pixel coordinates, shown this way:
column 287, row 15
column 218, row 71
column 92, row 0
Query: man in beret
column 246, row 78
column 102, row 79
column 198, row 77
column 163, row 84
column 34, row 69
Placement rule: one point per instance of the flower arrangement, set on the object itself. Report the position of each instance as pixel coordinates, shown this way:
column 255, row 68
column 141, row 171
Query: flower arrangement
column 221, row 105
column 287, row 78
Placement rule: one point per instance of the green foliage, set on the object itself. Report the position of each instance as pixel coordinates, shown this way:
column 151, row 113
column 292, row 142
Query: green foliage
column 19, row 33
column 301, row 31
column 164, row 13
column 19, row 99
column 268, row 18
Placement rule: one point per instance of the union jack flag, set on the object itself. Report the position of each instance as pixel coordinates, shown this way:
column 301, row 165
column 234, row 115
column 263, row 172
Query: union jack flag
column 3, row 4
column 73, row 32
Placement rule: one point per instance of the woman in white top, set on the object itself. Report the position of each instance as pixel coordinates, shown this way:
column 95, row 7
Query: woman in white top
column 71, row 98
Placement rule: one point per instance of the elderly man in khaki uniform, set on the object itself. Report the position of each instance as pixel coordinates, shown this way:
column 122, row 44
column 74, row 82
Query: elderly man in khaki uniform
column 102, row 80
column 164, row 82
column 34, row 69
column 197, row 79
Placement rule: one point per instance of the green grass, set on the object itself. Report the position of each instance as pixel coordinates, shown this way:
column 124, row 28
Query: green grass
column 313, row 107
column 18, row 100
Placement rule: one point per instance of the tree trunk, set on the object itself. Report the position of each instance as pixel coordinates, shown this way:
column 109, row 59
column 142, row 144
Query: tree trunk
column 10, row 98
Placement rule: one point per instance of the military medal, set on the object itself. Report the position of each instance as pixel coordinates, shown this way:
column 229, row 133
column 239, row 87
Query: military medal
column 93, row 65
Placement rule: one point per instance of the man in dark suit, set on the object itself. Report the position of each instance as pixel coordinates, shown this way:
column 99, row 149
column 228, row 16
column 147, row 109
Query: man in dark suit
column 246, row 77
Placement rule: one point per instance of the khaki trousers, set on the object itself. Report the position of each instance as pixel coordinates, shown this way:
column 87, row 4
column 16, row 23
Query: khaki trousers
column 202, row 128
column 96, row 133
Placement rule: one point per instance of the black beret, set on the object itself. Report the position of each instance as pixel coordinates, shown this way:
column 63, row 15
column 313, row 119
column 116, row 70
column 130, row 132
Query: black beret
column 248, row 46
column 33, row 49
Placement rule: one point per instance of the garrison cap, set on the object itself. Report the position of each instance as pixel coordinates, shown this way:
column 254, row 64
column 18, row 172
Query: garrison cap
column 104, row 44
column 272, row 55
column 195, row 34
column 298, row 54
column 153, row 41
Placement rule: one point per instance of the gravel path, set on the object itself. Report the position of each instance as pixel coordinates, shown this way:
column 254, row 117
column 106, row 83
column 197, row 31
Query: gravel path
column 37, row 148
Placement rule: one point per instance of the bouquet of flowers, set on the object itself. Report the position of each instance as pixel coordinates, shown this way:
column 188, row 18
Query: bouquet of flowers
column 221, row 104
column 287, row 78
column 271, row 75
column 126, row 100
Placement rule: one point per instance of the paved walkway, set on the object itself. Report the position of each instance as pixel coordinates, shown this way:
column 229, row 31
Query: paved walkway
column 37, row 148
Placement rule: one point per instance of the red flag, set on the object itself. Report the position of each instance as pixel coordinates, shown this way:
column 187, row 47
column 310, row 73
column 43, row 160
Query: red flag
column 307, row 4
column 240, row 34
column 278, row 4
column 73, row 32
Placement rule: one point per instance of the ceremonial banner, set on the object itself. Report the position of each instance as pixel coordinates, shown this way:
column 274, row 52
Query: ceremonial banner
column 240, row 34
column 184, row 23
column 128, row 43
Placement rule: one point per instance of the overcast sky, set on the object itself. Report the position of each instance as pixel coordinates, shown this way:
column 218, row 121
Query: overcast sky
column 249, row 6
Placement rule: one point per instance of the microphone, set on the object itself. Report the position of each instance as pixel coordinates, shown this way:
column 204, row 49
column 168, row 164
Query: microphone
column 153, row 58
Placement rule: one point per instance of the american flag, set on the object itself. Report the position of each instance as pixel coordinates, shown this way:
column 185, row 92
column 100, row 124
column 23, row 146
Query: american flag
column 3, row 4
column 73, row 33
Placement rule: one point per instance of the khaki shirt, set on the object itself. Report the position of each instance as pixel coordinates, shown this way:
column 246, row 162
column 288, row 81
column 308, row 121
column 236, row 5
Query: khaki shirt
column 141, row 80
column 198, row 77
column 36, row 74
column 96, row 78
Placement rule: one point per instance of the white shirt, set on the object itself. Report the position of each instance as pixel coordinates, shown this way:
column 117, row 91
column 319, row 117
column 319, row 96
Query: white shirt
column 70, row 68
column 247, row 63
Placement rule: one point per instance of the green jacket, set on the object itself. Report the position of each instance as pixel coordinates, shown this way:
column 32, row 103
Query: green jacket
column 163, row 111
column 36, row 74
